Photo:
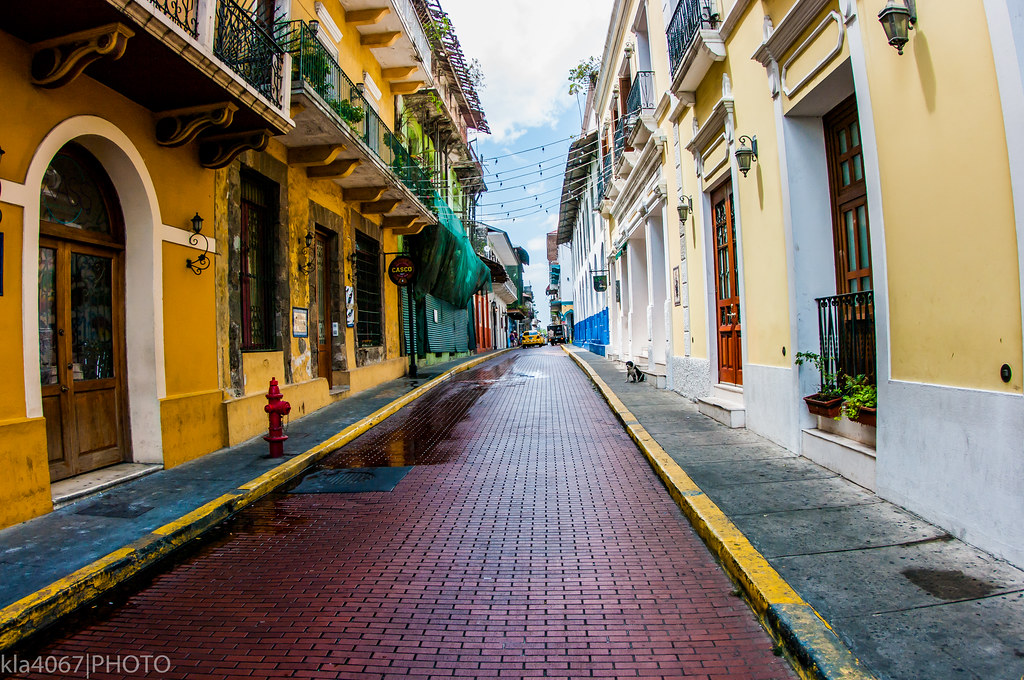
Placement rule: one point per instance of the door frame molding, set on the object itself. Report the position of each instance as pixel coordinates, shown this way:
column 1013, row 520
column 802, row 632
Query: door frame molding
column 143, row 272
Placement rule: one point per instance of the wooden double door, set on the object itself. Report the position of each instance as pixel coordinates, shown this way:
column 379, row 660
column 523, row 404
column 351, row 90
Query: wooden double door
column 81, row 316
column 81, row 355
column 727, row 294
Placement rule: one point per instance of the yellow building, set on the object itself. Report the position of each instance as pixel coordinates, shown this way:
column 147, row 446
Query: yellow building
column 197, row 198
column 830, row 194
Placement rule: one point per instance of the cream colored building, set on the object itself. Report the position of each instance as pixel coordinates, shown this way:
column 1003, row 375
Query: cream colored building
column 877, row 226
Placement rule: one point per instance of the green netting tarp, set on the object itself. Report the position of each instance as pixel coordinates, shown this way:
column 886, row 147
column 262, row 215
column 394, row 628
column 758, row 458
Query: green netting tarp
column 447, row 266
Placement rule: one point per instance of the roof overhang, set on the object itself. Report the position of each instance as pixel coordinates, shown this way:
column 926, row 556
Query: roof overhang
column 581, row 153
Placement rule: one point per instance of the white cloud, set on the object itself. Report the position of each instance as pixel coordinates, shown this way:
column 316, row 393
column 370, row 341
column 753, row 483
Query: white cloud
column 526, row 49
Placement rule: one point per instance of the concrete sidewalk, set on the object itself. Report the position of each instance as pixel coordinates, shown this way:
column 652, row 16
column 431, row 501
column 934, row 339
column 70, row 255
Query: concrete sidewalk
column 909, row 600
column 75, row 552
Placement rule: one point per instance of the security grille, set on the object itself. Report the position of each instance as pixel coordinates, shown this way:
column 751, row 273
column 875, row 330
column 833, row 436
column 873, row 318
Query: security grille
column 369, row 314
column 256, row 271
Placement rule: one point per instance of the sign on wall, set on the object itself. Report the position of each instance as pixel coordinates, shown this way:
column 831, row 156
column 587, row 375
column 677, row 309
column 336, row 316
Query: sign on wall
column 600, row 282
column 350, row 306
column 401, row 270
column 300, row 322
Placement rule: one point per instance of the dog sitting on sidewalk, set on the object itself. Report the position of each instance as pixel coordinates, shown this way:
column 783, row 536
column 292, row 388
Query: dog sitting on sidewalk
column 634, row 374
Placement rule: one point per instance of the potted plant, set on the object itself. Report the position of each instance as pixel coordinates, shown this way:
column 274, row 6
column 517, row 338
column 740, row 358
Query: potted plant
column 828, row 401
column 860, row 400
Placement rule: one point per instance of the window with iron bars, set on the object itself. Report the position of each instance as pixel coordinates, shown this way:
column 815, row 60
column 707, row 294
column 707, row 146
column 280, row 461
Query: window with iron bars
column 256, row 270
column 369, row 316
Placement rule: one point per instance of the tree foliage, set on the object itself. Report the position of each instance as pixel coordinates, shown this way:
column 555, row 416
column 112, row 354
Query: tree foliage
column 584, row 75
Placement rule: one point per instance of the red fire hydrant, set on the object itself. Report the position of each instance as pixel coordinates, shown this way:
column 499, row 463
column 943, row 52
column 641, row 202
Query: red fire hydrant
column 275, row 410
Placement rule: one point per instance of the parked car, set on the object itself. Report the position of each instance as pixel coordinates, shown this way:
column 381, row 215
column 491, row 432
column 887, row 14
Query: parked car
column 531, row 338
column 556, row 334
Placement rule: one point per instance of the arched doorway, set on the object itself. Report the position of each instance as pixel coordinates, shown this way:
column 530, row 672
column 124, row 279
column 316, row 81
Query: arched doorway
column 81, row 315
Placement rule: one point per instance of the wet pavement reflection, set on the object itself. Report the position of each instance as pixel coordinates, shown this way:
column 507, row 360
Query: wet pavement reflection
column 425, row 433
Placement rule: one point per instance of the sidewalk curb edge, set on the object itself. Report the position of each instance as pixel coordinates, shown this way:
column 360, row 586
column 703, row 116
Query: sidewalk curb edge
column 39, row 610
column 813, row 647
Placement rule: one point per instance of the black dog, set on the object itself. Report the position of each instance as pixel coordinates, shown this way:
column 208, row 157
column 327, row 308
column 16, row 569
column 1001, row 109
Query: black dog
column 634, row 374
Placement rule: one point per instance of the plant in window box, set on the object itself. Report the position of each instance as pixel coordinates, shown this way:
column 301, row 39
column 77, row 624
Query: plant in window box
column 828, row 401
column 860, row 400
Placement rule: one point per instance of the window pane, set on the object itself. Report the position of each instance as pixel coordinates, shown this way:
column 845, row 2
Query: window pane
column 855, row 134
column 851, row 242
column 862, row 228
column 843, row 144
column 48, row 316
column 368, row 294
column 845, row 168
column 92, row 318
column 858, row 167
column 71, row 196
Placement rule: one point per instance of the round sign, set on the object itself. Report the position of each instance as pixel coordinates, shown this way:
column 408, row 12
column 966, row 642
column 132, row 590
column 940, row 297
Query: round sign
column 401, row 270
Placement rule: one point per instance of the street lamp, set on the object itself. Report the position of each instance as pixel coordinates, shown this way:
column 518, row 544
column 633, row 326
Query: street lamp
column 897, row 18
column 747, row 153
column 685, row 207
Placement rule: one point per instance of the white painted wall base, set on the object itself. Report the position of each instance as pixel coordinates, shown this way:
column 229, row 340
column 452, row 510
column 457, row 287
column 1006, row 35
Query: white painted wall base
column 956, row 457
column 846, row 457
column 690, row 376
column 773, row 404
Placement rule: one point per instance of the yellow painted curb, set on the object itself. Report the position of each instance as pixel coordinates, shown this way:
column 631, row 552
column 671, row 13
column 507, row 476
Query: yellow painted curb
column 36, row 611
column 811, row 644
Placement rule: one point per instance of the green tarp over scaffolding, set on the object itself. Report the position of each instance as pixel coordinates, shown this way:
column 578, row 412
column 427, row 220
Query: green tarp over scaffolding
column 447, row 266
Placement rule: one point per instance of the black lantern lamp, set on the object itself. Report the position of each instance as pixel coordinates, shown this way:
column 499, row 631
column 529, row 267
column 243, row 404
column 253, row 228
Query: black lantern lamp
column 898, row 17
column 314, row 27
column 747, row 153
column 308, row 249
column 684, row 208
column 202, row 262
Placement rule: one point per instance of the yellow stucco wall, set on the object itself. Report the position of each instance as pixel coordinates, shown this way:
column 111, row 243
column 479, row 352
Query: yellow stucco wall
column 182, row 189
column 25, row 483
column 758, row 199
column 192, row 425
column 954, row 287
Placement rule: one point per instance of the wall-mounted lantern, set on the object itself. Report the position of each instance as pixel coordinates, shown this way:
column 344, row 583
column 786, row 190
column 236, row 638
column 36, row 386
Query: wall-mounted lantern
column 310, row 265
column 898, row 18
column 685, row 207
column 202, row 262
column 747, row 153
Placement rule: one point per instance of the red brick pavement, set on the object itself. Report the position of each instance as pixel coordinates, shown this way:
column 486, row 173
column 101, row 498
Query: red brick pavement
column 540, row 544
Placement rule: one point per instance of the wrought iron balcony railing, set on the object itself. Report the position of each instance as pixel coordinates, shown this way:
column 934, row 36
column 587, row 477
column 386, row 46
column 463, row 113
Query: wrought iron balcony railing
column 249, row 50
column 619, row 143
column 315, row 68
column 184, row 13
column 604, row 179
column 690, row 16
column 846, row 327
column 641, row 96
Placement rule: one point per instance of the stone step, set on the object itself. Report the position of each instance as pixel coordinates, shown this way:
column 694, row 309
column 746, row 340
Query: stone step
column 726, row 411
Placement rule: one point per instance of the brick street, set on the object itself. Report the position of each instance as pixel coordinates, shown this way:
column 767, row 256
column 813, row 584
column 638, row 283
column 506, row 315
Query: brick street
column 530, row 539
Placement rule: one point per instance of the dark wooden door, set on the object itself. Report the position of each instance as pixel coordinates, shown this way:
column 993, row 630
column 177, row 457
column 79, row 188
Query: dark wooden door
column 851, row 232
column 81, row 353
column 727, row 296
column 322, row 305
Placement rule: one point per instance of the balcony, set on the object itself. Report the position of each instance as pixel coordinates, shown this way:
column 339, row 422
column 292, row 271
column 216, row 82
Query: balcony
column 207, row 68
column 639, row 104
column 846, row 328
column 694, row 43
column 391, row 30
column 340, row 136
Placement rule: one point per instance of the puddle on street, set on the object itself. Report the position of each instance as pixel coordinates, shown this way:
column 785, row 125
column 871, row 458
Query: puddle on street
column 424, row 432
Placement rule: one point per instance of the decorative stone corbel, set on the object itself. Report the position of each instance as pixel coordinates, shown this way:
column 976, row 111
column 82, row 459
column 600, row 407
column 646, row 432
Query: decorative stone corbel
column 219, row 150
column 726, row 86
column 181, row 126
column 59, row 61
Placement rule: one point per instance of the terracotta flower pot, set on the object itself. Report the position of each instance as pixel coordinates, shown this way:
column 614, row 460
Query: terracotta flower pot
column 826, row 407
column 866, row 416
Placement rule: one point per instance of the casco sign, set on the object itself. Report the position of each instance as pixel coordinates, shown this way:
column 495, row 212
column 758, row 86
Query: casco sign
column 401, row 270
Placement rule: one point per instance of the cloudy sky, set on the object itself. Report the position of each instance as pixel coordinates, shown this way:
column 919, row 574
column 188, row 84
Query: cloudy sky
column 526, row 48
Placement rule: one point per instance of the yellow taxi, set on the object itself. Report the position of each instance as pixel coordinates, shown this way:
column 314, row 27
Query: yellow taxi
column 531, row 338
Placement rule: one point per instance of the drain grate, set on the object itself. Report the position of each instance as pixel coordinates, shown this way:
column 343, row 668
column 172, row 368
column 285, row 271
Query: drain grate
column 352, row 480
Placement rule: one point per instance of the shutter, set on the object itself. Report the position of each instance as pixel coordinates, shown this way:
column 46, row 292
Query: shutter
column 440, row 334
column 460, row 328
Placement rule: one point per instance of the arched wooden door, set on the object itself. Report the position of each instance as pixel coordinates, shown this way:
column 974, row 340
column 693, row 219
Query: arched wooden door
column 81, row 316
